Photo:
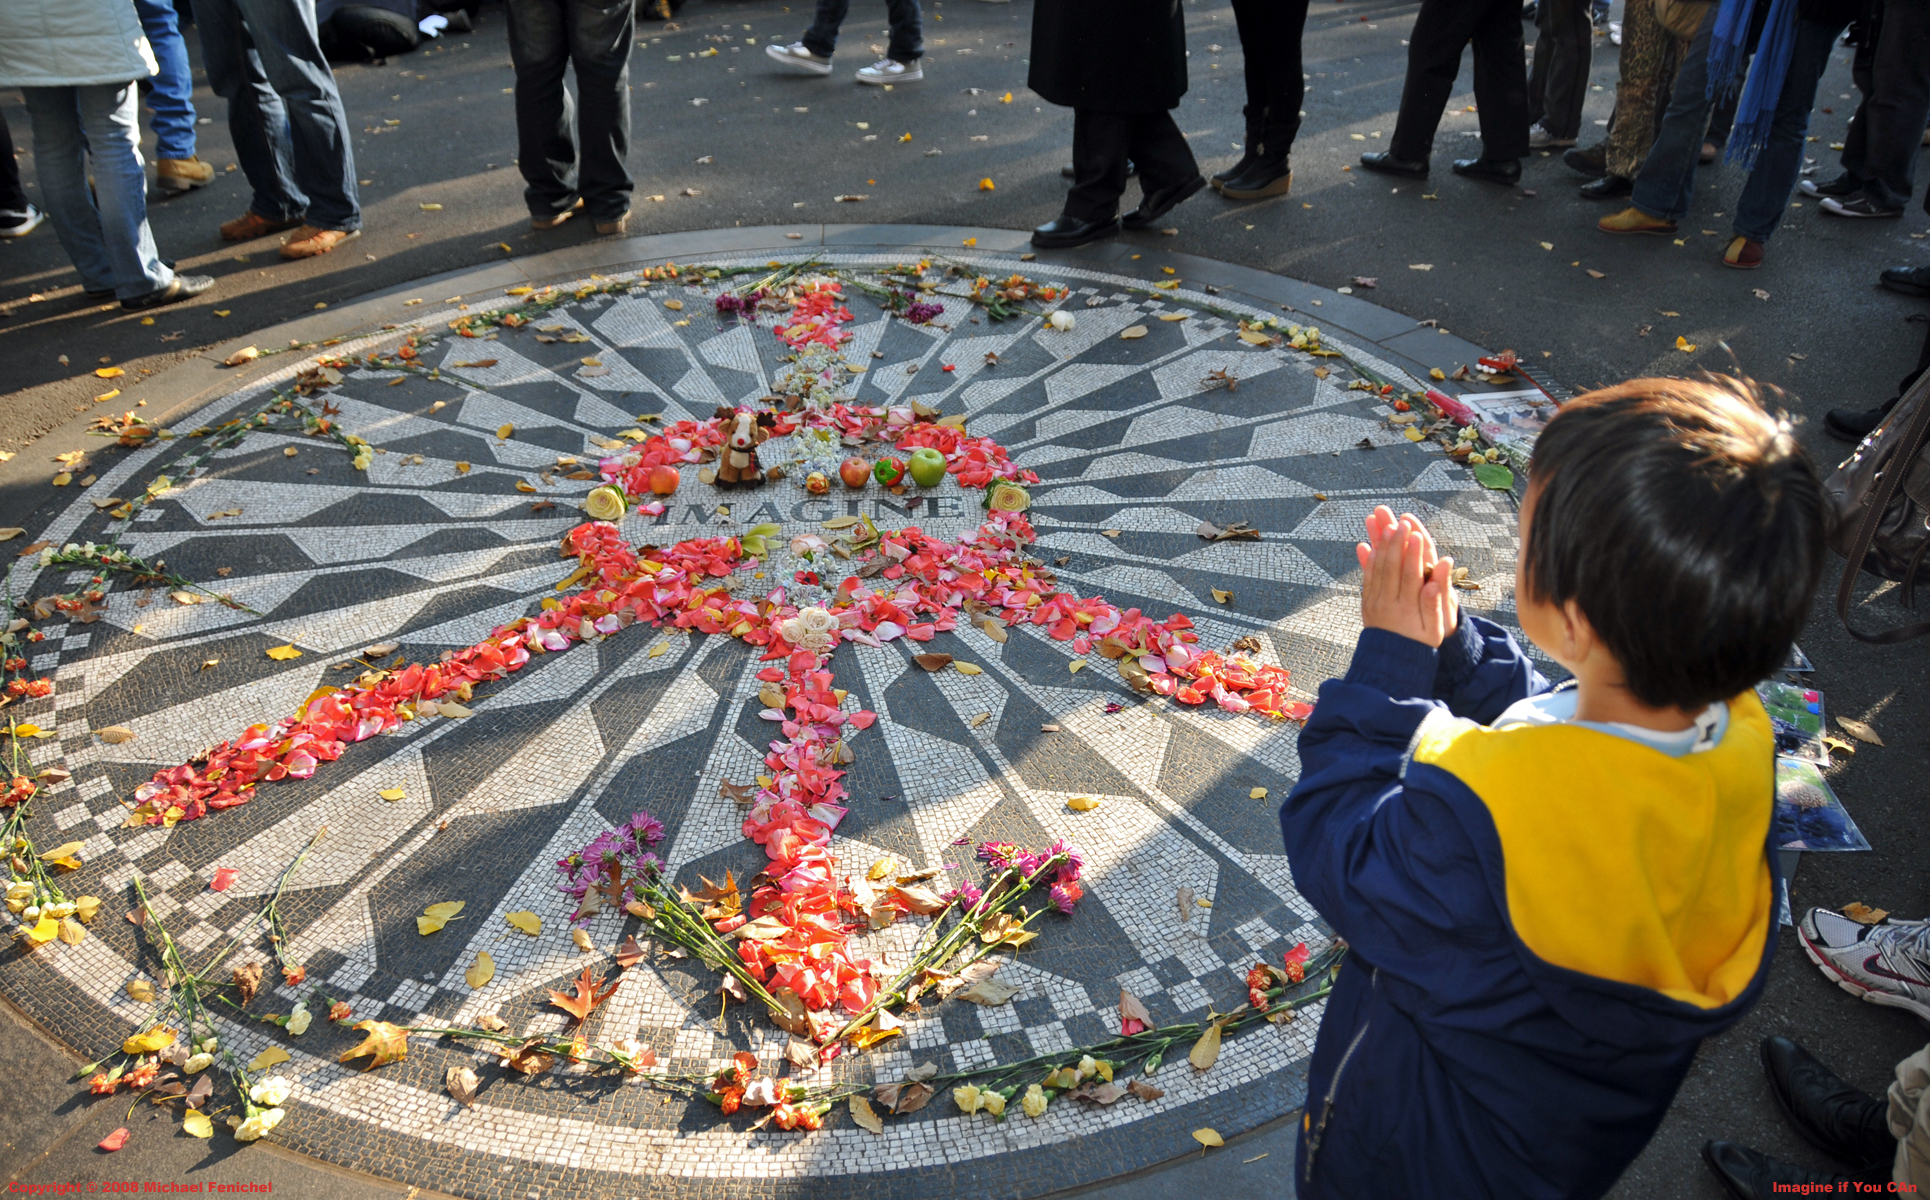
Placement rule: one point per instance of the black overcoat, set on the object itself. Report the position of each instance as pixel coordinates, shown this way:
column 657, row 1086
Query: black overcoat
column 1124, row 56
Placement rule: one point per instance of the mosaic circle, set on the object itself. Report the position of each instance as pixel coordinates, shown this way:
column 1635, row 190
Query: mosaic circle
column 1136, row 440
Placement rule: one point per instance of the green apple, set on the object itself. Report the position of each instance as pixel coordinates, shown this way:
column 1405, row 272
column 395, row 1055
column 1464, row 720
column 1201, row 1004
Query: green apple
column 927, row 467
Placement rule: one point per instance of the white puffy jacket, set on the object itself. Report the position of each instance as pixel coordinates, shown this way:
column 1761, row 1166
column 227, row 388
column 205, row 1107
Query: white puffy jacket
column 56, row 43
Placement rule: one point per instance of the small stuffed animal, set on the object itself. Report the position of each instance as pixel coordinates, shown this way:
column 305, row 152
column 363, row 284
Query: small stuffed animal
column 744, row 432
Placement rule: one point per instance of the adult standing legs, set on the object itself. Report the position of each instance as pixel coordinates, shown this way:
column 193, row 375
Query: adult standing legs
column 545, row 37
column 1665, row 185
column 1270, row 37
column 18, row 217
column 176, row 169
column 1649, row 56
column 104, row 227
column 291, row 134
column 1442, row 30
column 1888, row 128
column 1564, row 47
column 1765, row 196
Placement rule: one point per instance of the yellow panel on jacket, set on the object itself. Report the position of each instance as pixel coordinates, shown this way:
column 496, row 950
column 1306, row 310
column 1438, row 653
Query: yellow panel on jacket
column 1623, row 862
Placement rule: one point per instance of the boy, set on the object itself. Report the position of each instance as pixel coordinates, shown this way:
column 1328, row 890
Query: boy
column 1553, row 896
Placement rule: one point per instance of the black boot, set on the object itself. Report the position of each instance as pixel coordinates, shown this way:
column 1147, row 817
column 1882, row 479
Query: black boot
column 1841, row 1121
column 1592, row 162
column 1270, row 175
column 1848, row 425
column 1751, row 1175
column 1248, row 156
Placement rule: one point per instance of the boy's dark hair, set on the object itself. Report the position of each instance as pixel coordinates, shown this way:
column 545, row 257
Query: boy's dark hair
column 1686, row 523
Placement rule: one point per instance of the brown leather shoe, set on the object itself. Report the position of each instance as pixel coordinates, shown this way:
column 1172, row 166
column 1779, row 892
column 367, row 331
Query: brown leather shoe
column 308, row 241
column 552, row 220
column 180, row 174
column 618, row 226
column 251, row 225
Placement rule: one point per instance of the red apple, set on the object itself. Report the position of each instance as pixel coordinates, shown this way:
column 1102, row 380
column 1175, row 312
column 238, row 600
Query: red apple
column 854, row 471
column 664, row 479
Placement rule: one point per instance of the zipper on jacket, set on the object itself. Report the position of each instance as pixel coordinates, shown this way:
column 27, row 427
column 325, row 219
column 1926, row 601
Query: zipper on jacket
column 1333, row 1088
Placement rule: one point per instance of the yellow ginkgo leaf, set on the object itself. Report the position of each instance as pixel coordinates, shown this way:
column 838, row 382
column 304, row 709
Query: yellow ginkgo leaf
column 283, row 653
column 1257, row 794
column 71, row 932
column 1413, row 435
column 64, row 850
column 436, row 916
column 1136, row 331
column 268, row 1058
column 503, row 431
column 965, row 668
column 1222, row 597
column 1208, row 1137
column 43, row 931
column 880, row 869
column 110, row 372
column 156, row 1039
column 196, row 1124
column 674, row 305
column 1082, row 804
column 1684, row 344
column 393, row 793
column 482, row 972
column 658, row 649
column 1075, row 665
column 528, row 922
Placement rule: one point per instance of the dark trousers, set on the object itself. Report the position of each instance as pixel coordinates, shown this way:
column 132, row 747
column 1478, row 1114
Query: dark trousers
column 565, row 153
column 907, row 37
column 13, row 198
column 1881, row 149
column 1563, row 46
column 1102, row 142
column 1270, row 34
column 1442, row 29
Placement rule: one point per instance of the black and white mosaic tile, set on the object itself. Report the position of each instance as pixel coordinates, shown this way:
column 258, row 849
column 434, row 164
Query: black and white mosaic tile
column 1133, row 452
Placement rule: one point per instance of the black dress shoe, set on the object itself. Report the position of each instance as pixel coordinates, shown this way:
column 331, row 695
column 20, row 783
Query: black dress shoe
column 1063, row 232
column 1841, row 1121
column 184, row 287
column 1911, row 281
column 1158, row 204
column 1849, row 425
column 1592, row 162
column 1066, row 172
column 1383, row 162
column 1750, row 1175
column 1505, row 171
column 1608, row 187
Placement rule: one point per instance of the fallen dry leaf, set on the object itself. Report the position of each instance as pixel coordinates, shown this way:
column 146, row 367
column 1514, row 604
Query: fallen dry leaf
column 1863, row 914
column 1082, row 804
column 1145, row 1091
column 481, row 972
column 528, row 922
column 584, row 1000
column 1206, row 1051
column 462, row 1084
column 1858, row 730
column 989, row 992
column 115, row 735
column 436, row 916
column 1208, row 1137
column 864, row 1116
column 283, row 653
column 1222, row 597
column 247, row 979
column 932, row 662
column 1136, row 331
column 1258, row 793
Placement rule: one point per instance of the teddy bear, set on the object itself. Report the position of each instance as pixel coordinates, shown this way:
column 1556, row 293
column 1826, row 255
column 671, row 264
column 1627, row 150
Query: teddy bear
column 744, row 431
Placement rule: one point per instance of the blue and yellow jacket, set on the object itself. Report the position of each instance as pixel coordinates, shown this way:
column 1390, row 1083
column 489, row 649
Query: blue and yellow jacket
column 1544, row 922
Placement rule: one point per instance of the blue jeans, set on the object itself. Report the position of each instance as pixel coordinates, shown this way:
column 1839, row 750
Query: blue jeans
column 1765, row 198
column 173, row 96
column 565, row 153
column 291, row 135
column 907, row 36
column 104, row 230
column 1666, row 183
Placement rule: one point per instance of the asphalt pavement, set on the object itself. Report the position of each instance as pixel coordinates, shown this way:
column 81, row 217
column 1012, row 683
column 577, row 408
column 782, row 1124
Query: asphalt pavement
column 725, row 137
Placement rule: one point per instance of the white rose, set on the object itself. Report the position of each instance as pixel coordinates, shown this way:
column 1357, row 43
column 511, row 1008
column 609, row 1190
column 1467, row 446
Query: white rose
column 817, row 620
column 271, row 1091
column 298, row 1020
column 259, row 1125
column 198, row 1063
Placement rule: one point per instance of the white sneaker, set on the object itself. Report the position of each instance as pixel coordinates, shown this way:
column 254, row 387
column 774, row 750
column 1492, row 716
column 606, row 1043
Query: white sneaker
column 1540, row 139
column 890, row 70
column 1615, row 32
column 20, row 224
column 1886, row 964
column 795, row 55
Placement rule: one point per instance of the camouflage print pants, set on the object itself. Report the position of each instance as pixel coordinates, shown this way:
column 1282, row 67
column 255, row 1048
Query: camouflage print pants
column 1650, row 55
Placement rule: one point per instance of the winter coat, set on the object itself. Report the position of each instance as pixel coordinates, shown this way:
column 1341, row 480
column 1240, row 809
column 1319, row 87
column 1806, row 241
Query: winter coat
column 1126, row 56
column 62, row 43
column 1544, row 922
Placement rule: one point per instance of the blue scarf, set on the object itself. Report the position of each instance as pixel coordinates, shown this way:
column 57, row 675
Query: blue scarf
column 1728, row 50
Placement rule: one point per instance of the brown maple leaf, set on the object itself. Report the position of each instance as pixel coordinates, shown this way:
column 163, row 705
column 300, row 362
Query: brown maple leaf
column 630, row 953
column 385, row 1044
column 585, row 999
column 527, row 1059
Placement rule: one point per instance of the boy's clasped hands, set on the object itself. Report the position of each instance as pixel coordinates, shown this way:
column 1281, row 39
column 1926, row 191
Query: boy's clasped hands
column 1406, row 587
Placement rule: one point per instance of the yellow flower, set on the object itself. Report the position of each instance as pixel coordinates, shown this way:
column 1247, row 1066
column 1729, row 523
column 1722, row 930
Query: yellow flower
column 1007, row 497
column 968, row 1099
column 1088, row 1067
column 992, row 1102
column 604, row 504
column 1033, row 1102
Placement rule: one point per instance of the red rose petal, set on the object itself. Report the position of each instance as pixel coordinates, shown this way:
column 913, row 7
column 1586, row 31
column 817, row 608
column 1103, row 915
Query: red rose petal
column 114, row 1141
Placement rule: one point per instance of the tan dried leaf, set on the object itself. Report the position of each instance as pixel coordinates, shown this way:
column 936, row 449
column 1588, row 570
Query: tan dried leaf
column 462, row 1084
